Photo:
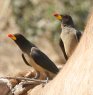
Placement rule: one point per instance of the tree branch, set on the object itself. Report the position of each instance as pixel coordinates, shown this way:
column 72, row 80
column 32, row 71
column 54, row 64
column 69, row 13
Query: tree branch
column 24, row 78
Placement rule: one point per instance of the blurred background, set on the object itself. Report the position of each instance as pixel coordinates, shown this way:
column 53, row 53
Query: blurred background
column 35, row 20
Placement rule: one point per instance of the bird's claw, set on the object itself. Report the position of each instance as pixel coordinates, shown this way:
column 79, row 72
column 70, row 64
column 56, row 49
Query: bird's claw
column 46, row 81
column 37, row 75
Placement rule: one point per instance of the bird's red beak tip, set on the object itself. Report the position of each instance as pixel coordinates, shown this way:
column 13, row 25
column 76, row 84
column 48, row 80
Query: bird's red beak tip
column 55, row 14
column 10, row 35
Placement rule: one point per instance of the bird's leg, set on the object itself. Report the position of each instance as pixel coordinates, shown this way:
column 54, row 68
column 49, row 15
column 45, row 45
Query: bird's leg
column 37, row 75
column 46, row 79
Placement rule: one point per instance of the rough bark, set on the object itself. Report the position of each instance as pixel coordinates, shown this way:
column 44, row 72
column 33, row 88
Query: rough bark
column 76, row 78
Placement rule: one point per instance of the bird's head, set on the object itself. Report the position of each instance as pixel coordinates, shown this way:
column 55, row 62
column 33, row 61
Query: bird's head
column 66, row 20
column 21, row 41
column 17, row 37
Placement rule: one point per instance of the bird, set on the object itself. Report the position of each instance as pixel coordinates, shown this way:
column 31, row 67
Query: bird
column 34, row 56
column 69, row 36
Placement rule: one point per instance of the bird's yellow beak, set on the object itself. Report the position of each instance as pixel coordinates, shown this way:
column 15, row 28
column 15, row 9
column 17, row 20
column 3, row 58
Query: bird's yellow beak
column 58, row 16
column 12, row 36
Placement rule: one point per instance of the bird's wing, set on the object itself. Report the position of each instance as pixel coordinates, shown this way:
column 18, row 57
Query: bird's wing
column 42, row 60
column 24, row 59
column 74, row 30
column 63, row 48
column 78, row 34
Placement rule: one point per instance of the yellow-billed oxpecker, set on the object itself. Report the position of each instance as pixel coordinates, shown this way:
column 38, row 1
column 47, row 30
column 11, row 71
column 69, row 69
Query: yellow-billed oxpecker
column 69, row 36
column 34, row 57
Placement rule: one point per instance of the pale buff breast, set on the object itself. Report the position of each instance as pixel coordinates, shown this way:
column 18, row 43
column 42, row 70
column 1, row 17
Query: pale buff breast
column 69, row 39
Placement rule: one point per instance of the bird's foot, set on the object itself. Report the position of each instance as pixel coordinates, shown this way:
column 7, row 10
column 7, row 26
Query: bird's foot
column 37, row 75
column 46, row 81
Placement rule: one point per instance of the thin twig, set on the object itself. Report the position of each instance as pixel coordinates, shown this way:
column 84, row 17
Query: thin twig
column 29, row 83
column 26, row 79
